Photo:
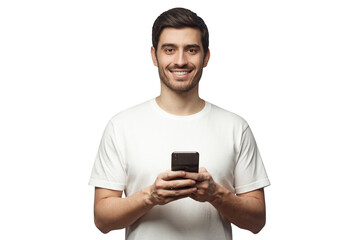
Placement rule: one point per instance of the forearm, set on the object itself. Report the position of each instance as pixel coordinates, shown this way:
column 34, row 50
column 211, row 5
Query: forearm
column 243, row 211
column 113, row 213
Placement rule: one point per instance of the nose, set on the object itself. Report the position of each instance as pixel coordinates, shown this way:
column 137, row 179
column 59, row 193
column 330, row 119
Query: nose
column 180, row 59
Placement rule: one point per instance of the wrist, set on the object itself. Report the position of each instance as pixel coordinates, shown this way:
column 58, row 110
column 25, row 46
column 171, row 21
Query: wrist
column 147, row 197
column 220, row 195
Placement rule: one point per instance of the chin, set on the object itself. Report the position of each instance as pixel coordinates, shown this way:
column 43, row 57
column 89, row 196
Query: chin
column 181, row 88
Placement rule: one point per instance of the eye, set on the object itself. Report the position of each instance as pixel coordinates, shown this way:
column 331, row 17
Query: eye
column 192, row 50
column 169, row 50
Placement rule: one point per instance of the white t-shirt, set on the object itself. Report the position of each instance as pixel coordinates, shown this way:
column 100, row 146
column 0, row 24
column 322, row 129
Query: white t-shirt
column 137, row 146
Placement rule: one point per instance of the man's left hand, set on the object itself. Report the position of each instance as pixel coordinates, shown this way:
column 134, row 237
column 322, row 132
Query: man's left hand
column 206, row 186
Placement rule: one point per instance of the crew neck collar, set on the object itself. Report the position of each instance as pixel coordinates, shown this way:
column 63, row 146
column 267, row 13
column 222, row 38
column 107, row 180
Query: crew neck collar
column 164, row 113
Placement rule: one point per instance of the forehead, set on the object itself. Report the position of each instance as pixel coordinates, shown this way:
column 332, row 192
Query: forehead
column 180, row 36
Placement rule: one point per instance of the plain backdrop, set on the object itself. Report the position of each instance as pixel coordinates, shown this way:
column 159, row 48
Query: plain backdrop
column 290, row 68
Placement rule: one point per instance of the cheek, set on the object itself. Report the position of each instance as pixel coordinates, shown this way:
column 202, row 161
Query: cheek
column 163, row 64
column 199, row 63
column 163, row 60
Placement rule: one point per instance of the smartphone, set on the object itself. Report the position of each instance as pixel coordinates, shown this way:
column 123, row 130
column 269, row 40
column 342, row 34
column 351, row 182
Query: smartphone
column 186, row 161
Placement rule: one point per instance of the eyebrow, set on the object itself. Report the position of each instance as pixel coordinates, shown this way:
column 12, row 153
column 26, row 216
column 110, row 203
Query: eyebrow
column 174, row 45
column 193, row 46
column 167, row 45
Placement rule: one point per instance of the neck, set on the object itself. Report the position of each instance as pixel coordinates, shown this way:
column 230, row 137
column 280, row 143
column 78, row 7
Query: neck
column 182, row 104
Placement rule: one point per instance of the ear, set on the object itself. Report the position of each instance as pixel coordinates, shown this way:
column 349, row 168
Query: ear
column 153, row 56
column 206, row 59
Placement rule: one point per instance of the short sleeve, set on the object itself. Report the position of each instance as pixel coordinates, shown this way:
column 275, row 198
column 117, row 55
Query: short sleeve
column 109, row 170
column 250, row 173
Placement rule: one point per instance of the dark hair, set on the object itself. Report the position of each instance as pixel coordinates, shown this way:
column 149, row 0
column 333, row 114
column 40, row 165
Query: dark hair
column 180, row 18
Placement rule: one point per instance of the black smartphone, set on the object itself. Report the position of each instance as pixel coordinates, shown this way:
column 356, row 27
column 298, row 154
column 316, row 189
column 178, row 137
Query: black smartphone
column 186, row 161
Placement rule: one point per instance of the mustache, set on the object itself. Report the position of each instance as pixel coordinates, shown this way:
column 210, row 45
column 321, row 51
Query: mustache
column 178, row 67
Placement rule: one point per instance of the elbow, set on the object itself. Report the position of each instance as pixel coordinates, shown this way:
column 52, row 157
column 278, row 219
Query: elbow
column 258, row 227
column 101, row 226
column 256, row 230
column 106, row 226
column 103, row 230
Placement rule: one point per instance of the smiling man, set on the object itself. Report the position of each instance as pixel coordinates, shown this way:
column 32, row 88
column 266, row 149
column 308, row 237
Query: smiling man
column 135, row 151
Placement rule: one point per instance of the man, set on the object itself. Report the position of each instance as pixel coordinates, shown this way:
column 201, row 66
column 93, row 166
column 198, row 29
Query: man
column 137, row 144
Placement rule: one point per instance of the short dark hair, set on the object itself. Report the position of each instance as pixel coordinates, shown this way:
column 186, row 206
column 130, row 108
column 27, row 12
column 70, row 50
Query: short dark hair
column 180, row 18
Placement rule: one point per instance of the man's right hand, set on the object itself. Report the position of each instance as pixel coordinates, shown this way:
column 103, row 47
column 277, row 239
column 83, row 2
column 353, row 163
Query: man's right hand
column 114, row 212
column 169, row 186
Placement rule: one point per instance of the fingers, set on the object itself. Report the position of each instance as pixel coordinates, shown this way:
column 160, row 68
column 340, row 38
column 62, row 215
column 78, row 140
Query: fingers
column 175, row 193
column 203, row 175
column 174, row 184
column 170, row 186
column 163, row 196
column 202, row 170
column 168, row 175
column 206, row 186
column 172, row 180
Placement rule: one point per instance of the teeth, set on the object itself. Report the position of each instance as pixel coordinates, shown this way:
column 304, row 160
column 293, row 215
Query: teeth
column 180, row 73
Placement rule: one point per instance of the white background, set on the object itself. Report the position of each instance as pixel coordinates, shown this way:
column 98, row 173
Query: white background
column 290, row 68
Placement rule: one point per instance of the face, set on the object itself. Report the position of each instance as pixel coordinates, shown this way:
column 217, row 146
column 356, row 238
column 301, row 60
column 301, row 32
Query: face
column 180, row 58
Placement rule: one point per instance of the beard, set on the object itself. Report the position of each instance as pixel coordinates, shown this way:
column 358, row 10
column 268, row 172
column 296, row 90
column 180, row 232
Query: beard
column 178, row 85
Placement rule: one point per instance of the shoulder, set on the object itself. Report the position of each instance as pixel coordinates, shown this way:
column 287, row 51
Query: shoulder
column 222, row 115
column 132, row 114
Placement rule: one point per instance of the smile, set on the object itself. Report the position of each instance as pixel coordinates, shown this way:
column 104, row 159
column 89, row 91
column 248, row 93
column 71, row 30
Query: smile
column 180, row 73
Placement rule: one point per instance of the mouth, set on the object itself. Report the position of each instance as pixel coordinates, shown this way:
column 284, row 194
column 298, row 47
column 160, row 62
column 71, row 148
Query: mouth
column 181, row 74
